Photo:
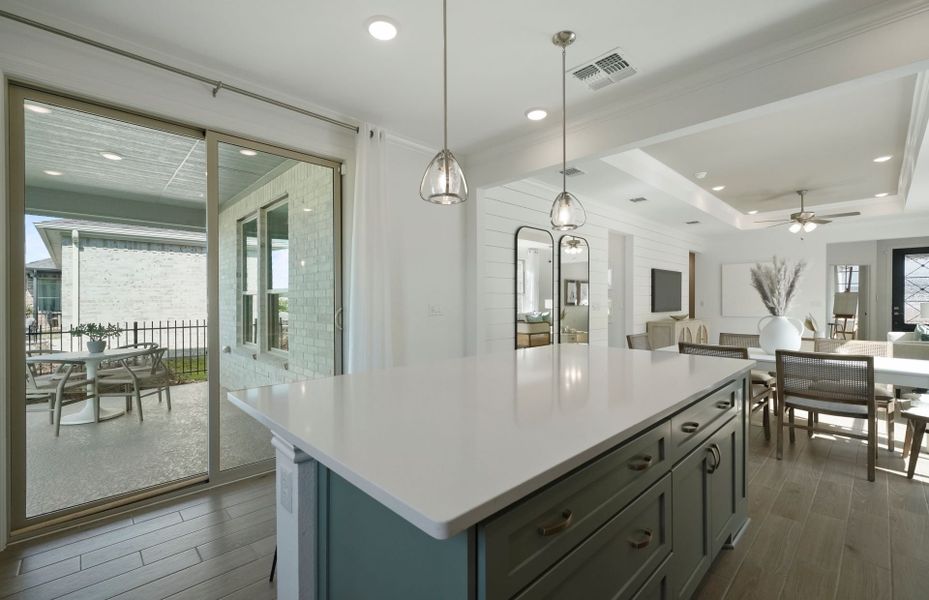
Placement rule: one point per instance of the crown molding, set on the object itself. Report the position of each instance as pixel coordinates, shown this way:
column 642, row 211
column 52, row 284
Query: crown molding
column 915, row 135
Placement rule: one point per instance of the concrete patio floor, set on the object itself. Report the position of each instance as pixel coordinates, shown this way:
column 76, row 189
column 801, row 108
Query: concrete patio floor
column 89, row 462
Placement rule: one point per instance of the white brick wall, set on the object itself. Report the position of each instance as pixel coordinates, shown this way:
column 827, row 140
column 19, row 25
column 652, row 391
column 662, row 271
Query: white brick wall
column 311, row 310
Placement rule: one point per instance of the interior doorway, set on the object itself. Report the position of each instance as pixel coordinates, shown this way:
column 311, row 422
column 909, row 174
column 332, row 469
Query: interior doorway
column 910, row 287
column 692, row 285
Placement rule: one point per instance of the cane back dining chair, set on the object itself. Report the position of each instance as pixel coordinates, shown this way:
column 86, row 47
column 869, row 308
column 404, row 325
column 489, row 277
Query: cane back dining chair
column 833, row 384
column 884, row 393
column 761, row 393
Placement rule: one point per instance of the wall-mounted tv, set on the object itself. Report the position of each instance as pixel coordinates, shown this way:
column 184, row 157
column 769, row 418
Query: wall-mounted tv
column 666, row 290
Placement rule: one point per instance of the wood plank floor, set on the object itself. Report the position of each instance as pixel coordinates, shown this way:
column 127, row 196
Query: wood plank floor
column 819, row 529
column 216, row 544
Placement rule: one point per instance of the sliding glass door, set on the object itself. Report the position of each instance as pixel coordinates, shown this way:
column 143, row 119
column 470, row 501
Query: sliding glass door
column 204, row 263
column 278, row 265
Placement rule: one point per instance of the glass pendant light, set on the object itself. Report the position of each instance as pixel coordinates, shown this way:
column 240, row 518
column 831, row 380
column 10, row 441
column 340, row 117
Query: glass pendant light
column 443, row 181
column 567, row 212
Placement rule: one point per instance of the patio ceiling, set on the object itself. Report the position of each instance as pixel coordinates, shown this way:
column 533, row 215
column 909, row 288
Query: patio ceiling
column 155, row 167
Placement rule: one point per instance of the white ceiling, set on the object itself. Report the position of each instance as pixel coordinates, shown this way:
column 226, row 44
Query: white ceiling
column 609, row 185
column 500, row 56
column 825, row 145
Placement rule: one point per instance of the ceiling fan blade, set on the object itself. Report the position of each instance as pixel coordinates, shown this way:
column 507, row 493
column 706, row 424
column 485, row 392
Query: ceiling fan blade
column 778, row 225
column 837, row 215
column 821, row 221
column 774, row 221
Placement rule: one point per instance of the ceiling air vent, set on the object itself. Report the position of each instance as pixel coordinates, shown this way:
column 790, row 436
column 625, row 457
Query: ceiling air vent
column 604, row 70
column 692, row 223
column 571, row 172
column 638, row 199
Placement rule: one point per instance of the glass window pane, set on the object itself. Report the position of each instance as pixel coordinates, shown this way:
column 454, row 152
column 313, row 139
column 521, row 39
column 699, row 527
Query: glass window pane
column 277, row 321
column 278, row 248
column 916, row 285
column 250, row 255
column 249, row 319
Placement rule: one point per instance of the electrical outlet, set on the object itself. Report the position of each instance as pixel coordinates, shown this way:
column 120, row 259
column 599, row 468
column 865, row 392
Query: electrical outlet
column 435, row 310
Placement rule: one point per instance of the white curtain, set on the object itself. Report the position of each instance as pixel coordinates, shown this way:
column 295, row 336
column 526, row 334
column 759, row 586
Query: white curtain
column 369, row 324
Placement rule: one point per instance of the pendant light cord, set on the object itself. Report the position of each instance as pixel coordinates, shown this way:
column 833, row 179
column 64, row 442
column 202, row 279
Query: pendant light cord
column 564, row 122
column 445, row 74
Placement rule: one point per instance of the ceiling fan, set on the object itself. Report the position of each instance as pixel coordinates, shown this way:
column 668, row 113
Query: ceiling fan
column 806, row 220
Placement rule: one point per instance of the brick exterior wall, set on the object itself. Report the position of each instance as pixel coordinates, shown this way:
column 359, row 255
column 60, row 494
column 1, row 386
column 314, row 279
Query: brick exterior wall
column 129, row 280
column 311, row 280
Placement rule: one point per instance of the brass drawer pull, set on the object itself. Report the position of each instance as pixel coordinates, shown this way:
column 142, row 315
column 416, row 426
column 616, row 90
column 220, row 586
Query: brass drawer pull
column 723, row 404
column 643, row 541
column 566, row 517
column 690, row 427
column 641, row 464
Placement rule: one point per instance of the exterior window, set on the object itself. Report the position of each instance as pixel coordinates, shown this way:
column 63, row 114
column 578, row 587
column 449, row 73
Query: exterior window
column 48, row 295
column 846, row 278
column 249, row 315
column 278, row 265
column 915, row 286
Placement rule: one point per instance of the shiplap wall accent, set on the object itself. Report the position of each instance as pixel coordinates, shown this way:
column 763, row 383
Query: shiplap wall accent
column 503, row 209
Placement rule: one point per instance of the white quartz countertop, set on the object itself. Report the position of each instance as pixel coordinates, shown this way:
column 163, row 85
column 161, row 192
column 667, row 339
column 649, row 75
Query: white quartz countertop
column 447, row 444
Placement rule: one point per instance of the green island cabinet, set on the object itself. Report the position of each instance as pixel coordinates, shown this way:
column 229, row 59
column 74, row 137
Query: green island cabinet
column 643, row 520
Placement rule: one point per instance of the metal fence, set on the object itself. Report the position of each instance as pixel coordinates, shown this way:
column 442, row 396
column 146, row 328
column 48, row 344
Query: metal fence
column 185, row 340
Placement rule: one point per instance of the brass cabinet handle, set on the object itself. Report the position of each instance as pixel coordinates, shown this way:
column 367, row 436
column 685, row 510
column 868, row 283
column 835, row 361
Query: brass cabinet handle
column 566, row 517
column 643, row 541
column 690, row 427
column 723, row 404
column 711, row 467
column 641, row 463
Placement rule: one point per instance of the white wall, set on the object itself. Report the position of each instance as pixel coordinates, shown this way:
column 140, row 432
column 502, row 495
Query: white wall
column 502, row 210
column 815, row 290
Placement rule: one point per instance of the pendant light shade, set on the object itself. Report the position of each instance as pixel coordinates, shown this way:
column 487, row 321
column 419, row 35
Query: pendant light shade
column 567, row 212
column 444, row 182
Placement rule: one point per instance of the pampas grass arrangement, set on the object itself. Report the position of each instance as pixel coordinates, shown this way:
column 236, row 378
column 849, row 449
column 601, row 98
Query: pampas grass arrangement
column 776, row 283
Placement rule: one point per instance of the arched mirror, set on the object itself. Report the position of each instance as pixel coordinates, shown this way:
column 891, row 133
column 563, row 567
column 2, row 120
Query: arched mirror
column 574, row 274
column 535, row 287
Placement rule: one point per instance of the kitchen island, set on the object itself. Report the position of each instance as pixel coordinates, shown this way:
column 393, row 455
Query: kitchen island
column 561, row 471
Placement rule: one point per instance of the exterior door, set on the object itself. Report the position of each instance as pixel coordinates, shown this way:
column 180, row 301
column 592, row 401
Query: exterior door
column 910, row 286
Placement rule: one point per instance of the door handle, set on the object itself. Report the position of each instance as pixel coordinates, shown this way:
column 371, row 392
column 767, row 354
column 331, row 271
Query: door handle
column 338, row 318
column 711, row 467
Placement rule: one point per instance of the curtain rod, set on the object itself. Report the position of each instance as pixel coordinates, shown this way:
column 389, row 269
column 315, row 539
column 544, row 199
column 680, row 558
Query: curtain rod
column 217, row 85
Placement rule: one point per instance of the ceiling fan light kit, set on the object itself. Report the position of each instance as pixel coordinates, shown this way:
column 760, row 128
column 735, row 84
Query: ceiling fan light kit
column 806, row 220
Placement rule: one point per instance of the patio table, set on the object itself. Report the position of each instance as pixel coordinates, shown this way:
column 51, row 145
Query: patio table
column 88, row 412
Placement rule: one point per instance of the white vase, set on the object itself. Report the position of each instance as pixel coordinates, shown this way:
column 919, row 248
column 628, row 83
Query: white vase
column 780, row 333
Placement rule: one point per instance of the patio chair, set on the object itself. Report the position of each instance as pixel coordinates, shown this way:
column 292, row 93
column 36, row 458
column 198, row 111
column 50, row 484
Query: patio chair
column 833, row 384
column 762, row 391
column 154, row 378
column 884, row 393
column 57, row 393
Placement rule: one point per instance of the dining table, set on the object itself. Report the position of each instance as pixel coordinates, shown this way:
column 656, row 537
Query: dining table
column 89, row 412
column 905, row 372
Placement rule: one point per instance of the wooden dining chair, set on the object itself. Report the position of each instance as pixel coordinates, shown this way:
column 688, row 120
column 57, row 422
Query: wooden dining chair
column 884, row 393
column 638, row 341
column 833, row 384
column 761, row 393
column 759, row 376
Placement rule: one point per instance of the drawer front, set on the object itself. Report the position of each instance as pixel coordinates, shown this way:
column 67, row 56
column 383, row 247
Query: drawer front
column 615, row 561
column 691, row 427
column 658, row 586
column 516, row 546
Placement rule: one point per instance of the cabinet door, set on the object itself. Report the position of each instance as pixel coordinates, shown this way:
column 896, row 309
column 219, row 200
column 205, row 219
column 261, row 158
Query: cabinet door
column 724, row 484
column 690, row 524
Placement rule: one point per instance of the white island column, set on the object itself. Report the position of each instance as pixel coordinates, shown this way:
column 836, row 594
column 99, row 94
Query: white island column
column 296, row 522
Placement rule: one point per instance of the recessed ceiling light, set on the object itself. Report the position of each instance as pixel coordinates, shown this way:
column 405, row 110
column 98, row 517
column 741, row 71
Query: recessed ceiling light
column 701, row 174
column 111, row 156
column 38, row 109
column 884, row 158
column 247, row 152
column 382, row 28
column 881, row 195
column 307, row 210
column 52, row 173
column 536, row 114
column 753, row 212
column 719, row 188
